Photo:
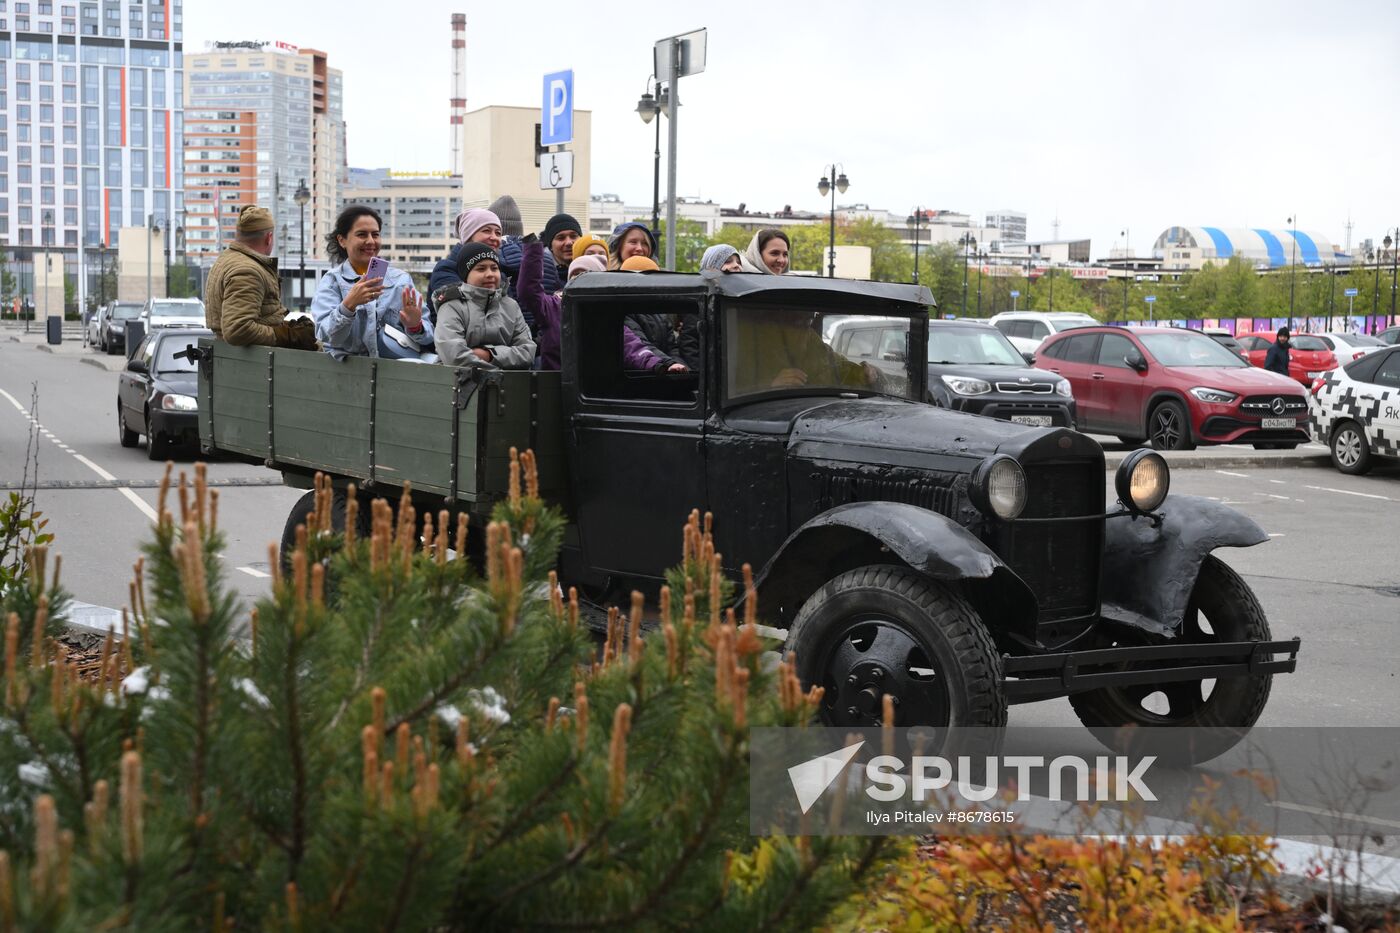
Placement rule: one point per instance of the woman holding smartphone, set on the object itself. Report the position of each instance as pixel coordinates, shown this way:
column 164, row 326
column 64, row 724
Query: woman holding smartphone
column 364, row 306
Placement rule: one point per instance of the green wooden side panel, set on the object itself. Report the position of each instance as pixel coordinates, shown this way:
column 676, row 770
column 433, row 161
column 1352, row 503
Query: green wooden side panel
column 413, row 428
column 237, row 419
column 321, row 412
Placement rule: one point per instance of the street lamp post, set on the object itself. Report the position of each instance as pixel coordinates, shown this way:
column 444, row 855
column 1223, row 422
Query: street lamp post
column 1376, row 285
column 968, row 243
column 916, row 219
column 150, row 228
column 102, row 272
column 1292, row 270
column 302, row 196
column 648, row 108
column 1127, row 270
column 833, row 183
column 1393, row 270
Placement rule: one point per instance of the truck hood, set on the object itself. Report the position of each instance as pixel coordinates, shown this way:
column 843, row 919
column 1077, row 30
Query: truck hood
column 855, row 429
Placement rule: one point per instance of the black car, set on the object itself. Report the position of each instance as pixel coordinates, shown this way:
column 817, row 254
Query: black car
column 972, row 367
column 113, row 333
column 156, row 392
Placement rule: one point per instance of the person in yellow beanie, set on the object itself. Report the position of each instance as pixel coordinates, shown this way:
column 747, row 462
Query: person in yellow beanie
column 590, row 245
column 243, row 297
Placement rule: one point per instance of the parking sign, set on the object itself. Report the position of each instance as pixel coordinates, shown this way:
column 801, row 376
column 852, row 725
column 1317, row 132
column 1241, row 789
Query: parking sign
column 557, row 109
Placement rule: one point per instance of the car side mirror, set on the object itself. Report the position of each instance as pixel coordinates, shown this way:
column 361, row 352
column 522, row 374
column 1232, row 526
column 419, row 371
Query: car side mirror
column 1029, row 357
column 136, row 366
column 1136, row 361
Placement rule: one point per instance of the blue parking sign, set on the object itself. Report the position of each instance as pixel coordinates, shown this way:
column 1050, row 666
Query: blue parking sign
column 557, row 109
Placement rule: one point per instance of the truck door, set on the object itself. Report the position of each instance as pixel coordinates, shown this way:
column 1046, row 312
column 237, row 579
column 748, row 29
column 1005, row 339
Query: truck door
column 636, row 438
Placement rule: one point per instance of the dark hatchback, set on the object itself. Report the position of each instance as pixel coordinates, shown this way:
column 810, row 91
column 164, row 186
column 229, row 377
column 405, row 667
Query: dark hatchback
column 156, row 392
column 972, row 368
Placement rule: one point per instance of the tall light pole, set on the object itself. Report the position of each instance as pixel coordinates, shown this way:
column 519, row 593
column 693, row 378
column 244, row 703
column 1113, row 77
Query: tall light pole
column 1393, row 271
column 102, row 272
column 301, row 197
column 1292, row 270
column 1376, row 286
column 968, row 242
column 916, row 219
column 648, row 108
column 832, row 182
column 150, row 228
column 1127, row 271
column 981, row 261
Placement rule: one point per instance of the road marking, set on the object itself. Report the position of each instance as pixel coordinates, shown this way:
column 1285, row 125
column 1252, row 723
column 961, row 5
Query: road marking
column 1272, row 496
column 254, row 572
column 1348, row 492
column 1228, row 473
column 133, row 497
column 1276, row 534
column 1276, row 482
column 1334, row 814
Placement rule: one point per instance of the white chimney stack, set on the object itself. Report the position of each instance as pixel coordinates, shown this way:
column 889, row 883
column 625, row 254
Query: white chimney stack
column 459, row 88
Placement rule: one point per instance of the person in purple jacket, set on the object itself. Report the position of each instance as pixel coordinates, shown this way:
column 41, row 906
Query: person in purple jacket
column 546, row 307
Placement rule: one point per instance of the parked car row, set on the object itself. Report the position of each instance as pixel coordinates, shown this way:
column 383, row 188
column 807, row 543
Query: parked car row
column 106, row 328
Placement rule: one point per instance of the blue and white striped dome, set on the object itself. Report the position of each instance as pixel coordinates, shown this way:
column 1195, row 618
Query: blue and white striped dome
column 1272, row 248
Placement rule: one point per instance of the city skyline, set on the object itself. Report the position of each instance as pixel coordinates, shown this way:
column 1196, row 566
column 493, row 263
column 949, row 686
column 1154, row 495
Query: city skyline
column 1106, row 118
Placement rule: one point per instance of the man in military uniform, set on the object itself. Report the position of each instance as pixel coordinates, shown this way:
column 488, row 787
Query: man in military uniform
column 242, row 298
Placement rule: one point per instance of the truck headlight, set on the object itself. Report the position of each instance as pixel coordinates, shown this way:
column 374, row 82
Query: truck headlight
column 1064, row 388
column 998, row 487
column 965, row 386
column 1214, row 396
column 1142, row 481
column 179, row 403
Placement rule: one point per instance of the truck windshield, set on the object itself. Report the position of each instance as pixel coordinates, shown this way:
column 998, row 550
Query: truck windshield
column 772, row 348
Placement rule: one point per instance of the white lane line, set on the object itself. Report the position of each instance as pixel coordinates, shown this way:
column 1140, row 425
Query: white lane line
column 1228, row 473
column 1276, row 482
column 254, row 572
column 131, row 496
column 1272, row 496
column 1348, row 492
column 1276, row 534
column 1335, row 814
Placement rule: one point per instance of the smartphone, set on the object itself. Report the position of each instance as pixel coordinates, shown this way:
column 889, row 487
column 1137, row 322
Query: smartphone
column 378, row 268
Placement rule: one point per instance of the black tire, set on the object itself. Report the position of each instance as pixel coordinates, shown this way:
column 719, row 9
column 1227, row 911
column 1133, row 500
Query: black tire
column 1218, row 719
column 126, row 437
column 895, row 631
column 1130, row 441
column 157, row 446
column 1169, row 428
column 1350, row 452
column 302, row 510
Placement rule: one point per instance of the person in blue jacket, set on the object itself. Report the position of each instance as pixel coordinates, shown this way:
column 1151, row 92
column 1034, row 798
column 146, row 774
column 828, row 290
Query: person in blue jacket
column 361, row 316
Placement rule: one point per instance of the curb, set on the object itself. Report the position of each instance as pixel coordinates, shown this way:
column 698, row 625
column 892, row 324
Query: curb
column 43, row 348
column 93, row 361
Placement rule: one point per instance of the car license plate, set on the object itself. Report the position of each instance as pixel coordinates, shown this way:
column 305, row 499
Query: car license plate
column 1317, row 375
column 1039, row 421
column 1278, row 424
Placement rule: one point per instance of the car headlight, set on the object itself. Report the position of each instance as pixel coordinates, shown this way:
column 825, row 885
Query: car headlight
column 179, row 403
column 1064, row 388
column 1142, row 481
column 998, row 487
column 965, row 386
column 1214, row 396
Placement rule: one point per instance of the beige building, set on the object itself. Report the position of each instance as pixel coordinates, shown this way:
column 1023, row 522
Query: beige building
column 140, row 261
column 418, row 212
column 498, row 157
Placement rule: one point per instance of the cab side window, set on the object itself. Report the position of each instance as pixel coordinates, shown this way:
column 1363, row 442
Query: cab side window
column 614, row 364
column 1113, row 348
column 1389, row 373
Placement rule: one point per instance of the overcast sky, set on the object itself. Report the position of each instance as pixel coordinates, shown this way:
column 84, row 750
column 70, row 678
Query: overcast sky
column 1108, row 115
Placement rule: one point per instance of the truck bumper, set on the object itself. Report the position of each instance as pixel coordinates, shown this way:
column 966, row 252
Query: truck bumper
column 1028, row 678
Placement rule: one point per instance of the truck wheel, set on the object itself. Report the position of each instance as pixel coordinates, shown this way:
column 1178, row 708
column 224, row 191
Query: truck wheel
column 302, row 511
column 1350, row 452
column 888, row 630
column 1169, row 428
column 1222, row 608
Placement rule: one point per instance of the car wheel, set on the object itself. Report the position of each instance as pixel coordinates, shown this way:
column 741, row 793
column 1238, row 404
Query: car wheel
column 1154, row 719
column 125, row 437
column 156, row 443
column 302, row 510
column 1350, row 452
column 886, row 630
column 1168, row 428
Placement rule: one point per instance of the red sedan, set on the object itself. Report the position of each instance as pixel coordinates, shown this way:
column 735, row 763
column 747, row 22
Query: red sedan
column 1175, row 387
column 1308, row 356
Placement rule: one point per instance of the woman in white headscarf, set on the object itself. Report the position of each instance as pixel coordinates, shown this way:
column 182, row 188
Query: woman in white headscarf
column 767, row 252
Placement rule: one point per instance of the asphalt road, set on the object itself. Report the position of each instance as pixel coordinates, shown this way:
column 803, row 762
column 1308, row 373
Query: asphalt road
column 1330, row 574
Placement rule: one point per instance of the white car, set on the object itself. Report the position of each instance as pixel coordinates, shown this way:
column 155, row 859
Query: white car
column 1348, row 347
column 1026, row 329
column 173, row 312
column 1356, row 410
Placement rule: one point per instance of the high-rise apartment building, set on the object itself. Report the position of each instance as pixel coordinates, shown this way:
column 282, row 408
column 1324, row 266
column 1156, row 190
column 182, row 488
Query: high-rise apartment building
column 91, row 103
column 1012, row 225
column 270, row 118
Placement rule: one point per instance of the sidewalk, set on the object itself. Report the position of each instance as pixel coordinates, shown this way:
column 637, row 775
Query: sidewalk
column 72, row 346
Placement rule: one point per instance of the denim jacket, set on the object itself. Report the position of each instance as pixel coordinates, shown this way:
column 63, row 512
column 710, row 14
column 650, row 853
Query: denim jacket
column 357, row 334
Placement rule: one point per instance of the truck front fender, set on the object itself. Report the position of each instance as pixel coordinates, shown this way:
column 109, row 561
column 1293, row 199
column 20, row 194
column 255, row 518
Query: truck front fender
column 1148, row 572
column 863, row 533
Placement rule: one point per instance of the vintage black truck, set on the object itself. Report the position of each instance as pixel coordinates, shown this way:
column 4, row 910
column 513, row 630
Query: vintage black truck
column 954, row 562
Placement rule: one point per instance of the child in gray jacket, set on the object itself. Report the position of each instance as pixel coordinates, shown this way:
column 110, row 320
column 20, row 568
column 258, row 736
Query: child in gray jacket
column 476, row 321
